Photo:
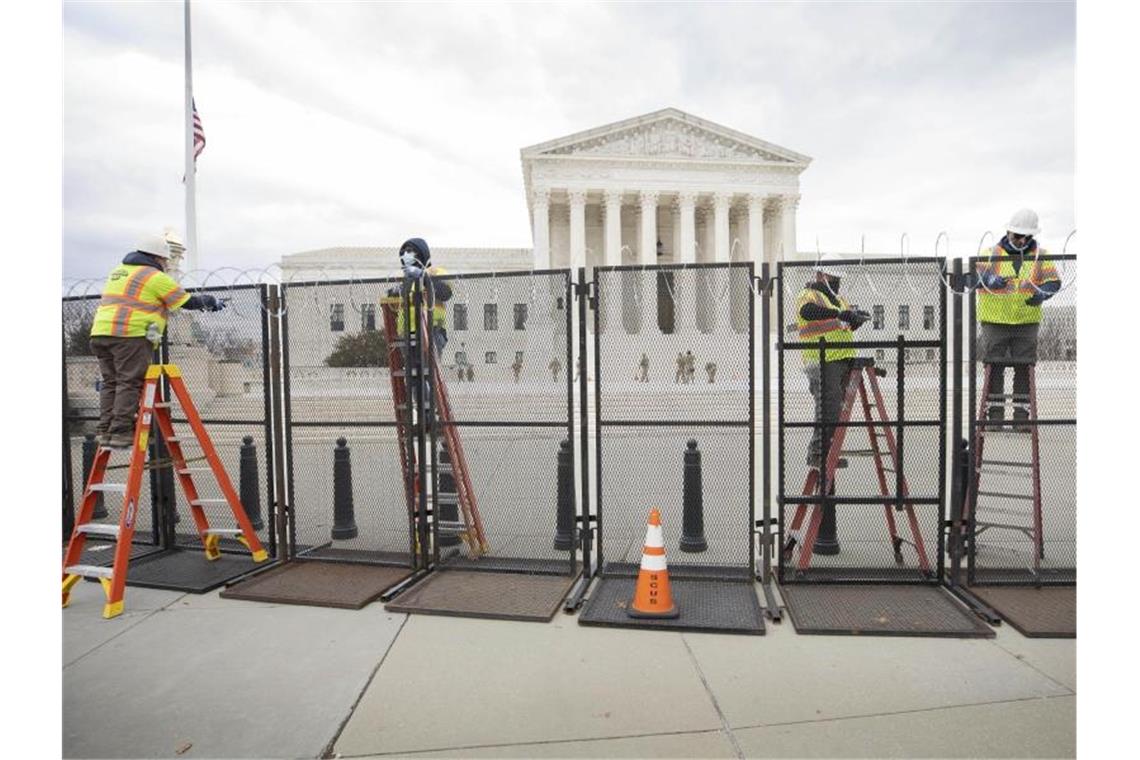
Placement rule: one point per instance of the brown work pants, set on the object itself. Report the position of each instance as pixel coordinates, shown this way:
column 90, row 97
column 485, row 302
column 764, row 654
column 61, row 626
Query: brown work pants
column 123, row 363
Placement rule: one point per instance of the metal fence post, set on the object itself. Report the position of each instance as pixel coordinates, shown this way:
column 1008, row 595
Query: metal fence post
column 564, row 530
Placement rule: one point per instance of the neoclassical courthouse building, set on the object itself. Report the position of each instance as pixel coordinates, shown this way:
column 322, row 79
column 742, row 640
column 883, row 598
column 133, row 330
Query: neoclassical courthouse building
column 666, row 187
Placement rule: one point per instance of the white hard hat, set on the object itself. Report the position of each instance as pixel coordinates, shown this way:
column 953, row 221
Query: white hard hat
column 155, row 245
column 825, row 265
column 1023, row 222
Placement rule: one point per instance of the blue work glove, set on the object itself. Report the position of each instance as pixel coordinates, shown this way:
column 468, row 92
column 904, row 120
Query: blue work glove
column 1036, row 299
column 210, row 303
column 992, row 280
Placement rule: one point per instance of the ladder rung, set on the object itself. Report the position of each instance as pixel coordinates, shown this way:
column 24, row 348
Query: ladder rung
column 1019, row 396
column 205, row 502
column 1006, row 473
column 188, row 470
column 224, row 532
column 99, row 529
column 163, row 404
column 109, row 487
column 1019, row 497
column 89, row 571
column 448, row 498
column 178, row 439
column 1003, row 463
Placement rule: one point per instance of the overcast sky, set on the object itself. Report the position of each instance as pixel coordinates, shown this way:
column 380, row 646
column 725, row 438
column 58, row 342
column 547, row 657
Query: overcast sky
column 366, row 123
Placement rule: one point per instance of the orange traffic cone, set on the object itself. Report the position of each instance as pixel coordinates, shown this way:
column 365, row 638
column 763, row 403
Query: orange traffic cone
column 653, row 598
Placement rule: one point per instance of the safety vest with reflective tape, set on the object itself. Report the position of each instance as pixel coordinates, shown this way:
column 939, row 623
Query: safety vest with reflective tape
column 438, row 310
column 1006, row 306
column 134, row 297
column 831, row 330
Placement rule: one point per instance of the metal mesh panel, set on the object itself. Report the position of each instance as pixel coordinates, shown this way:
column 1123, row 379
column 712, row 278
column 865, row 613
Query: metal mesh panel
column 509, row 336
column 1003, row 553
column 674, row 363
column 223, row 357
column 904, row 338
column 83, row 380
column 337, row 386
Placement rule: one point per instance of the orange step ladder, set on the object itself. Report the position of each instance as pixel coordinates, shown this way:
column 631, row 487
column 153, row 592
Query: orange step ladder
column 863, row 374
column 114, row 578
column 1019, row 427
column 471, row 526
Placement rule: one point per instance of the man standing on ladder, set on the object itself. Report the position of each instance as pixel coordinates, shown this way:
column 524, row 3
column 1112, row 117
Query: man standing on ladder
column 822, row 313
column 1014, row 281
column 415, row 259
column 128, row 325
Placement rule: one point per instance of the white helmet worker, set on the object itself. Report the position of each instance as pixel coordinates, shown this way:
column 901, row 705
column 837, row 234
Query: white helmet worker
column 1023, row 222
column 155, row 245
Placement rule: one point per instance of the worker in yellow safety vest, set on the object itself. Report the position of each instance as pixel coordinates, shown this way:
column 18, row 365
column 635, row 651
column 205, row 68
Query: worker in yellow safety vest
column 415, row 260
column 137, row 300
column 822, row 313
column 1013, row 282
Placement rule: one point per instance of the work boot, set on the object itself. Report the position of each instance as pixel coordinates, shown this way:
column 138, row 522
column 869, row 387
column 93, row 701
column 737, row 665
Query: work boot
column 121, row 441
column 995, row 414
column 1020, row 421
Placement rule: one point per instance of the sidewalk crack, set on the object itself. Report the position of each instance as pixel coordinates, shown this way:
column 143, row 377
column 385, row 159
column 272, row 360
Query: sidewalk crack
column 712, row 698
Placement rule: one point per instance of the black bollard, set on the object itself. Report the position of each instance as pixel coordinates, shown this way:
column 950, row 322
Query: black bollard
column 693, row 519
column 89, row 449
column 564, row 523
column 248, row 483
column 449, row 506
column 344, row 520
column 826, row 541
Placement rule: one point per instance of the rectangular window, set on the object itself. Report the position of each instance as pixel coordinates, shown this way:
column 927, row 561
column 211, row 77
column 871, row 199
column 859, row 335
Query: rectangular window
column 490, row 318
column 368, row 316
column 459, row 317
column 520, row 316
column 490, row 358
column 904, row 317
column 461, row 358
column 928, row 317
column 336, row 317
column 930, row 354
column 518, row 357
column 877, row 318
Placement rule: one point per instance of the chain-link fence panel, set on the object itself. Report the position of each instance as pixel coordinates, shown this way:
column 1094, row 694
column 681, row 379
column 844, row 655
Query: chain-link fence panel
column 508, row 382
column 861, row 436
column 339, row 407
column 224, row 360
column 674, row 416
column 1021, row 483
column 83, row 383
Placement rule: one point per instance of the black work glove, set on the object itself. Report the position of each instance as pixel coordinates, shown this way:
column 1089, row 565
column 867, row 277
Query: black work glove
column 1036, row 299
column 854, row 317
column 210, row 303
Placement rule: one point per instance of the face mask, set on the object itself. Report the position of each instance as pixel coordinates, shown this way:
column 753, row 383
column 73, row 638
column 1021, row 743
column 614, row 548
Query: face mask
column 1019, row 243
column 832, row 284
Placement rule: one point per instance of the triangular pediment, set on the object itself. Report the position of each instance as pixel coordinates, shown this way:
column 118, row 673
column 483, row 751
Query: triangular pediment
column 667, row 134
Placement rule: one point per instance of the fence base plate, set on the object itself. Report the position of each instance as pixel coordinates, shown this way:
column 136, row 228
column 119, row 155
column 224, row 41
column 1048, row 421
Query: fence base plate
column 319, row 584
column 705, row 605
column 1049, row 612
column 482, row 594
column 879, row 610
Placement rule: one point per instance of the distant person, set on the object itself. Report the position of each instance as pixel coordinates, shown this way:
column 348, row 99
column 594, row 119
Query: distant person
column 555, row 367
column 680, row 374
column 690, row 366
column 137, row 300
column 642, row 375
column 1013, row 283
column 517, row 368
column 710, row 368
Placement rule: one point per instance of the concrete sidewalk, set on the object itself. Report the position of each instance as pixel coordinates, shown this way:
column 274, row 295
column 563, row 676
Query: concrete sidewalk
column 198, row 676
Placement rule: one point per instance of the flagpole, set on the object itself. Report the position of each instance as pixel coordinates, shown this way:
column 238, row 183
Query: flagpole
column 191, row 217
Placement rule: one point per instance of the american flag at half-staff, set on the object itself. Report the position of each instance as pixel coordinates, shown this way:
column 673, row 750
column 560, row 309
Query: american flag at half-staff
column 199, row 134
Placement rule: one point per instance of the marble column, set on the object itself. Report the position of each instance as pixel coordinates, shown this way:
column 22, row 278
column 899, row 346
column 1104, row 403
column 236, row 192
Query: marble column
column 721, row 242
column 541, row 212
column 613, row 227
column 647, row 253
column 577, row 229
column 788, row 205
column 684, row 280
column 686, row 206
column 756, row 229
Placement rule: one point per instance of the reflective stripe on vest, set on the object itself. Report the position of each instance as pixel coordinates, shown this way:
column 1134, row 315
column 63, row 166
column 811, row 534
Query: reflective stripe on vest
column 831, row 330
column 1007, row 305
column 130, row 303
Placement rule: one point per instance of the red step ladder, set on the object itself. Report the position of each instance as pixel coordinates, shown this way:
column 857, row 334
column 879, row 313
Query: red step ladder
column 471, row 527
column 114, row 578
column 862, row 375
column 1030, row 470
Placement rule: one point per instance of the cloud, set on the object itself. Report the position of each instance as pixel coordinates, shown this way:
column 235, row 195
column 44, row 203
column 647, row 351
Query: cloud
column 363, row 123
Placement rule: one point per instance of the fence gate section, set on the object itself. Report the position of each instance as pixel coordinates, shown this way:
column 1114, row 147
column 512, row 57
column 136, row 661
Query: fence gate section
column 876, row 517
column 345, row 482
column 672, row 385
column 1020, row 498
